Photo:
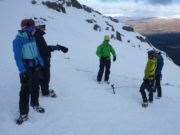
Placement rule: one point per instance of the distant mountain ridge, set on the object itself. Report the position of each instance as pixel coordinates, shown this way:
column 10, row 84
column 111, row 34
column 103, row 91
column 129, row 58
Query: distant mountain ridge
column 162, row 33
column 168, row 42
column 155, row 25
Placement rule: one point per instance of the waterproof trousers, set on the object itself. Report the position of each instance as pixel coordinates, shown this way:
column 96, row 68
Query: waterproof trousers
column 45, row 77
column 29, row 88
column 104, row 65
column 147, row 85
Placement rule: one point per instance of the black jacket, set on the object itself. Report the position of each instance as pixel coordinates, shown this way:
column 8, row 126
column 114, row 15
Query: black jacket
column 44, row 50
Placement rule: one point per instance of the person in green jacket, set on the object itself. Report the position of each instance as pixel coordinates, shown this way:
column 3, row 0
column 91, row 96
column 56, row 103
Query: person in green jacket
column 149, row 77
column 104, row 52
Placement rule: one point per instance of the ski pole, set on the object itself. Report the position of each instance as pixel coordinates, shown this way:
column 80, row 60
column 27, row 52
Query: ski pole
column 113, row 88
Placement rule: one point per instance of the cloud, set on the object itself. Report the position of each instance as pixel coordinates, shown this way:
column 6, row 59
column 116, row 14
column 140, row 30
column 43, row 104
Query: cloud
column 136, row 8
column 161, row 1
column 110, row 1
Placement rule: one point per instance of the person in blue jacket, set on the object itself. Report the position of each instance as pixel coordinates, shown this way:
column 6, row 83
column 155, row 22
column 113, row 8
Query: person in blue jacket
column 29, row 62
column 158, row 74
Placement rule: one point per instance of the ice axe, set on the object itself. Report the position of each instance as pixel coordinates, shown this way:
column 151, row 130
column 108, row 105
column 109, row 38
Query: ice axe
column 113, row 88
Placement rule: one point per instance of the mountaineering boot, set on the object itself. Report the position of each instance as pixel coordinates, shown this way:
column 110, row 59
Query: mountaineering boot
column 158, row 97
column 99, row 82
column 39, row 109
column 145, row 104
column 107, row 82
column 22, row 118
column 51, row 94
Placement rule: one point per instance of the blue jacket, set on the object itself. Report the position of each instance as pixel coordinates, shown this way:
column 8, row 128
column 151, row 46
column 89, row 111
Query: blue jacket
column 25, row 48
column 160, row 64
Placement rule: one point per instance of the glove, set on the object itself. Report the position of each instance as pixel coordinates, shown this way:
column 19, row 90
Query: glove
column 114, row 58
column 62, row 48
column 147, row 81
column 160, row 77
column 151, row 77
column 58, row 47
column 23, row 77
column 151, row 83
column 41, row 74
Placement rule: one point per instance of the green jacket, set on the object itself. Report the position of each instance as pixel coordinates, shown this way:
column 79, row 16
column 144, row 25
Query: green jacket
column 150, row 69
column 105, row 50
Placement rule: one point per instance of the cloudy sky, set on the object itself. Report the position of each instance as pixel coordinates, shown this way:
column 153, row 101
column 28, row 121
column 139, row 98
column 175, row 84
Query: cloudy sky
column 136, row 8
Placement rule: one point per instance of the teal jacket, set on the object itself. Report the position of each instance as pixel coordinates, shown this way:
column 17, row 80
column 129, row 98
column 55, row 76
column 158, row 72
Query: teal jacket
column 25, row 48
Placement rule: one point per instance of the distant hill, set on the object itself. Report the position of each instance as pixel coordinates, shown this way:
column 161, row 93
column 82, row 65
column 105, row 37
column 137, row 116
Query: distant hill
column 163, row 33
column 154, row 25
column 168, row 42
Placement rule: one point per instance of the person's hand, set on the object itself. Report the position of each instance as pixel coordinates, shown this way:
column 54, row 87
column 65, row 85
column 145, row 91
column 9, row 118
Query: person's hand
column 151, row 82
column 41, row 73
column 62, row 48
column 58, row 47
column 23, row 77
column 114, row 58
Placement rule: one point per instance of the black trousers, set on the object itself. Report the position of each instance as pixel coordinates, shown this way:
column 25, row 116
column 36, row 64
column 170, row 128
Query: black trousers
column 45, row 77
column 147, row 84
column 104, row 64
column 29, row 87
column 158, row 85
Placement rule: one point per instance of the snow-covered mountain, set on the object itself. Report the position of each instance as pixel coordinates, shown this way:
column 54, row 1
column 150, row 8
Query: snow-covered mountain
column 84, row 107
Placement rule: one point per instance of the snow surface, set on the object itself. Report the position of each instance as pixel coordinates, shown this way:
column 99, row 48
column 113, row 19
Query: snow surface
column 84, row 107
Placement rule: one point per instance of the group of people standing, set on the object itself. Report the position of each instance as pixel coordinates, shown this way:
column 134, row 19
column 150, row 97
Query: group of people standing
column 32, row 56
column 152, row 77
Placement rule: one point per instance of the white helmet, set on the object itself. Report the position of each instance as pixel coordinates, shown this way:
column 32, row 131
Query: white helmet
column 40, row 23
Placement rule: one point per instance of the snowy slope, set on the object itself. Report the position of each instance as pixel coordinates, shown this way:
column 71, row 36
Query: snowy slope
column 84, row 107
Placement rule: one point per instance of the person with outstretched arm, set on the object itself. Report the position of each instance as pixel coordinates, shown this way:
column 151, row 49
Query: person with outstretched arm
column 45, row 52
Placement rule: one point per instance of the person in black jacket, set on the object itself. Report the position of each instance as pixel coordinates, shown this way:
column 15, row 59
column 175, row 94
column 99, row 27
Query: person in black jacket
column 45, row 52
column 158, row 75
